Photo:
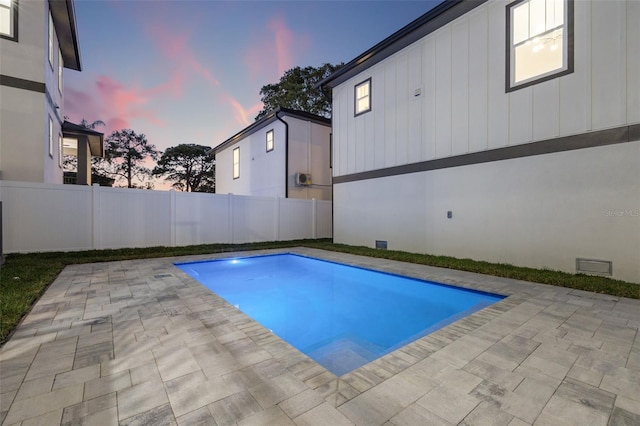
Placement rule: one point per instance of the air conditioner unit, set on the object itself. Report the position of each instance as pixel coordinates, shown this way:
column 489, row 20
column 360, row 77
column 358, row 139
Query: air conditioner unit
column 303, row 179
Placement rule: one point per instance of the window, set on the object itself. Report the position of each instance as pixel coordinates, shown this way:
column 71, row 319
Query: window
column 60, row 155
column 270, row 140
column 50, row 137
column 60, row 65
column 50, row 40
column 363, row 97
column 539, row 41
column 236, row 163
column 9, row 19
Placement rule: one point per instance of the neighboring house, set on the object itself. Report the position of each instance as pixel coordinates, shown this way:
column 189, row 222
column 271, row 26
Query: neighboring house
column 38, row 39
column 499, row 131
column 286, row 154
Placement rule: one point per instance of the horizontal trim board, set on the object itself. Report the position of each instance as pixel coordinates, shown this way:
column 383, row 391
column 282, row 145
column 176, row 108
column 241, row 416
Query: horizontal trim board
column 567, row 143
column 19, row 83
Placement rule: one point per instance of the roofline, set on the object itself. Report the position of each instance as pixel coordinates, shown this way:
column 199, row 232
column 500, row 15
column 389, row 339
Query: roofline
column 64, row 19
column 95, row 139
column 434, row 19
column 267, row 119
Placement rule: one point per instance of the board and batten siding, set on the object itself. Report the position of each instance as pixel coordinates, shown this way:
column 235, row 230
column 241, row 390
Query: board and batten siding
column 462, row 106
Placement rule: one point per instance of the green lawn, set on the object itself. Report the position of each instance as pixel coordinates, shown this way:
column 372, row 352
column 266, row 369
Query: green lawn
column 25, row 277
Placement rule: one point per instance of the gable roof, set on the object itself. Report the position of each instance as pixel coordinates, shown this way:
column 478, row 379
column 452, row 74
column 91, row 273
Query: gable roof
column 436, row 18
column 64, row 20
column 270, row 117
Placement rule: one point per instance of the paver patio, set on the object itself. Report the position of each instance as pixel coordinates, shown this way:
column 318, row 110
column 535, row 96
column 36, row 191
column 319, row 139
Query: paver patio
column 140, row 342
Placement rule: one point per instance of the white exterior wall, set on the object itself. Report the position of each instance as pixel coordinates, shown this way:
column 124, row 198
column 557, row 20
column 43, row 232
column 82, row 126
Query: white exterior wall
column 309, row 153
column 263, row 173
column 464, row 108
column 24, row 122
column 540, row 211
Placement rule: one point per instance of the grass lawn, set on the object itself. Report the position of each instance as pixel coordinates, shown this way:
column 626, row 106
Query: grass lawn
column 25, row 277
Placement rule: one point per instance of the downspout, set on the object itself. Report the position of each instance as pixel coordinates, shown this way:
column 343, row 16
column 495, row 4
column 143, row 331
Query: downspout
column 286, row 154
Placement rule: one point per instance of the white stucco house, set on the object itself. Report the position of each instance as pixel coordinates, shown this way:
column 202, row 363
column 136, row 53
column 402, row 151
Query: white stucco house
column 38, row 40
column 505, row 131
column 286, row 154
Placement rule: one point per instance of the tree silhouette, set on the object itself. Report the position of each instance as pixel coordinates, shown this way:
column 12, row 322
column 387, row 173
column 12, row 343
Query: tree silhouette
column 296, row 90
column 126, row 152
column 191, row 167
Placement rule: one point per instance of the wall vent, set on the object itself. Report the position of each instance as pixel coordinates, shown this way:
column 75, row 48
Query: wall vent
column 380, row 244
column 594, row 267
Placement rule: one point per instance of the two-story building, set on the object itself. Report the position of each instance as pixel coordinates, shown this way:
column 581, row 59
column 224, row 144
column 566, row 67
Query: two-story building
column 505, row 131
column 38, row 40
column 286, row 154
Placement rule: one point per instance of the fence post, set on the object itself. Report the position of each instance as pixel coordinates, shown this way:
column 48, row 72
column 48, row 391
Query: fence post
column 230, row 218
column 172, row 216
column 314, row 218
column 96, row 241
column 277, row 220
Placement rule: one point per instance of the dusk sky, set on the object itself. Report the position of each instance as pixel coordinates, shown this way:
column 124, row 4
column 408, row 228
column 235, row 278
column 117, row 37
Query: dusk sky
column 191, row 71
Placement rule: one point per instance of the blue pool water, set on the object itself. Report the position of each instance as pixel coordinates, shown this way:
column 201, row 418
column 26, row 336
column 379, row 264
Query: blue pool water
column 341, row 316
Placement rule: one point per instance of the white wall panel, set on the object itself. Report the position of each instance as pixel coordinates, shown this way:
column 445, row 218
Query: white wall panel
column 633, row 62
column 575, row 88
column 402, row 109
column 390, row 113
column 414, row 114
column 498, row 101
column 520, row 118
column 443, row 92
column 460, row 87
column 531, row 211
column 429, row 99
column 608, row 63
column 546, row 110
column 478, row 57
column 379, row 120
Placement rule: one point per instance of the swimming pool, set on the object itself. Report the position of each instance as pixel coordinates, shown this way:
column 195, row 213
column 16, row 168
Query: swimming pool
column 341, row 316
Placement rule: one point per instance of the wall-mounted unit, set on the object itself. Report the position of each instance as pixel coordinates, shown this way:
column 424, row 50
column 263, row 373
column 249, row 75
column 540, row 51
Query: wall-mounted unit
column 303, row 179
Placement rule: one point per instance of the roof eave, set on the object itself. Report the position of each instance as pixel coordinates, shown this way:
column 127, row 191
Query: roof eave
column 436, row 18
column 266, row 119
column 64, row 21
column 95, row 139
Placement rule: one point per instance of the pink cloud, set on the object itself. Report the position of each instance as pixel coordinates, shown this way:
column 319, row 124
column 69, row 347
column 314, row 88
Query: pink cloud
column 243, row 116
column 281, row 44
column 116, row 104
column 176, row 47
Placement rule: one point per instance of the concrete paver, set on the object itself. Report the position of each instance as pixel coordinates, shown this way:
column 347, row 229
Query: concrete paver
column 140, row 342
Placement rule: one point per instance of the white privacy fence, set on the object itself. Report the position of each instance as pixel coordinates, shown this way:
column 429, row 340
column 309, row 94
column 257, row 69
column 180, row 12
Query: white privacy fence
column 44, row 217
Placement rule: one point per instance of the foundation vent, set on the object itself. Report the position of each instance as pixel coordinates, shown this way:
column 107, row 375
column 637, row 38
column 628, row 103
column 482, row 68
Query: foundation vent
column 594, row 267
column 380, row 244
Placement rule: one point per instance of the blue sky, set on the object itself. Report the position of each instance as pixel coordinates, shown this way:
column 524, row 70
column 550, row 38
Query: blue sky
column 188, row 71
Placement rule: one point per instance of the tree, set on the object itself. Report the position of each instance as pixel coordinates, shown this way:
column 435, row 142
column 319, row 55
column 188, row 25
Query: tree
column 296, row 91
column 191, row 167
column 126, row 153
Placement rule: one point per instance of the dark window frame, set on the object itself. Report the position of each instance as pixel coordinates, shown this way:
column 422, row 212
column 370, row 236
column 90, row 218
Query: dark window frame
column 51, row 40
column 273, row 141
column 355, row 97
column 14, row 10
column 569, row 26
column 234, row 163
